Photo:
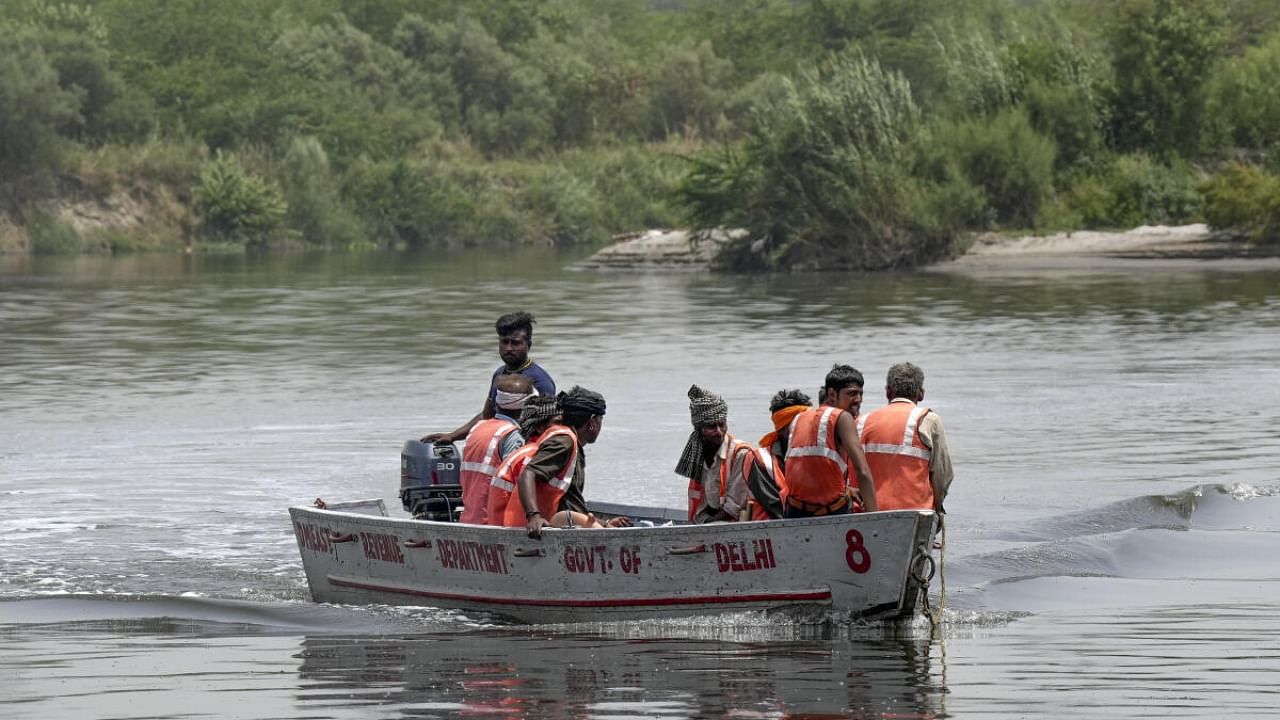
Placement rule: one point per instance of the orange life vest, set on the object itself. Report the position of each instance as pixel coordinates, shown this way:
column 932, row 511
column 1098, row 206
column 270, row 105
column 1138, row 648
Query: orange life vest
column 479, row 464
column 817, row 472
column 550, row 492
column 898, row 458
column 503, row 484
column 696, row 491
column 763, row 457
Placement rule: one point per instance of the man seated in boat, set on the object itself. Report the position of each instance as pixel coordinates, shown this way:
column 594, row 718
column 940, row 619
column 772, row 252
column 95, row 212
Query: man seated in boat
column 905, row 445
column 823, row 449
column 515, row 337
column 489, row 443
column 549, row 492
column 539, row 413
column 765, row 468
column 712, row 462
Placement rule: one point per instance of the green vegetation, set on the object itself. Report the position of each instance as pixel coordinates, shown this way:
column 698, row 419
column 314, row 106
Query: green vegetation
column 863, row 134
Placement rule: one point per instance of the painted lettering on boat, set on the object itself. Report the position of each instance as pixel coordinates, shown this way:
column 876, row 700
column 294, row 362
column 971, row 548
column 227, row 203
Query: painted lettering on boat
column 595, row 559
column 312, row 537
column 745, row 556
column 473, row 556
column 381, row 546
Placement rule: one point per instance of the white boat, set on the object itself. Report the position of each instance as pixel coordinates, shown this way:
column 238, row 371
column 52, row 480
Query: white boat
column 868, row 565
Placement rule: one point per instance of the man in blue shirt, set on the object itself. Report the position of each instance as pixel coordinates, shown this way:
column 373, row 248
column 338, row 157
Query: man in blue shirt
column 515, row 337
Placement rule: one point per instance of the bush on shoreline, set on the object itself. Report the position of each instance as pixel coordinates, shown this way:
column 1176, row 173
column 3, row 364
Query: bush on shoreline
column 874, row 139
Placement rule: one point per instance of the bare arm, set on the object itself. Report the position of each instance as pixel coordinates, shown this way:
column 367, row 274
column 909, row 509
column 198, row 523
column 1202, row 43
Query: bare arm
column 851, row 446
column 461, row 431
column 527, row 486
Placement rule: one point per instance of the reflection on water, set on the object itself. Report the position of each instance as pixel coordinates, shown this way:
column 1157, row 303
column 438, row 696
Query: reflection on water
column 586, row 675
column 1110, row 548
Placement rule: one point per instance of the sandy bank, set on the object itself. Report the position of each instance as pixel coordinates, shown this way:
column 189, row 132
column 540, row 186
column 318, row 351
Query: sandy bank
column 1149, row 245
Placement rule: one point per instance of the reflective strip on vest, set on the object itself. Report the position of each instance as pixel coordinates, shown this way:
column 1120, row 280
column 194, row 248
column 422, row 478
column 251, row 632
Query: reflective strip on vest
column 907, row 447
column 821, row 449
column 562, row 481
column 766, row 459
column 487, row 465
column 488, row 461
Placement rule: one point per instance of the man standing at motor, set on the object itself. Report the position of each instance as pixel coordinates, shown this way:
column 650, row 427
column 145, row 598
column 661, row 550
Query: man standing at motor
column 822, row 447
column 905, row 445
column 515, row 337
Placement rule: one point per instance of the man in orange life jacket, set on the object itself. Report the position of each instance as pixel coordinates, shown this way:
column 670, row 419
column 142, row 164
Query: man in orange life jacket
column 905, row 445
column 712, row 462
column 489, row 443
column 765, row 468
column 515, row 337
column 550, row 490
column 822, row 445
column 539, row 413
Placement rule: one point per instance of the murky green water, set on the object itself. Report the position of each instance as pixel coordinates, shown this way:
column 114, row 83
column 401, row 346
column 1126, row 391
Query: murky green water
column 1114, row 524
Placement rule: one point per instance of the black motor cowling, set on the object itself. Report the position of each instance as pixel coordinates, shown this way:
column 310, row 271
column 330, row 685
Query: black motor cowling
column 431, row 481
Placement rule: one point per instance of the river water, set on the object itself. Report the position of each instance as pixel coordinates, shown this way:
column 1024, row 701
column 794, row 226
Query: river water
column 1113, row 544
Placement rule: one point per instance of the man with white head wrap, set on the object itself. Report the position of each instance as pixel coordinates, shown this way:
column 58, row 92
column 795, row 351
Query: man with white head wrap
column 712, row 461
column 539, row 413
column 489, row 442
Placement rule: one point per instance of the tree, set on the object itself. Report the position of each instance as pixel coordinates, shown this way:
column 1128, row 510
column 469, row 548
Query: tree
column 1162, row 52
column 33, row 105
column 825, row 181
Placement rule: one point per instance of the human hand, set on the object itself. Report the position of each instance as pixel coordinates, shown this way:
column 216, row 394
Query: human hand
column 437, row 438
column 534, row 524
column 618, row 522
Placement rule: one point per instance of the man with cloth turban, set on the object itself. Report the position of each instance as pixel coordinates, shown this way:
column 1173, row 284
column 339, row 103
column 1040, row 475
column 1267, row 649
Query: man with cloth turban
column 538, row 413
column 712, row 462
column 550, row 489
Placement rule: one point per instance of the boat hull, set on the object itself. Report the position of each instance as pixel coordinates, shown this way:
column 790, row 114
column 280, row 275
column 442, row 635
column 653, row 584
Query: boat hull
column 869, row 565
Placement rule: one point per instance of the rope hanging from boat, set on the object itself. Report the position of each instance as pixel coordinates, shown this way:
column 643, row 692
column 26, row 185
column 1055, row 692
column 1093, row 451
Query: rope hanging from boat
column 924, row 559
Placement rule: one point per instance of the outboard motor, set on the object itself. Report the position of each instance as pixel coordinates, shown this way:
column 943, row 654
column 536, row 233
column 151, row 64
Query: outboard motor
column 431, row 481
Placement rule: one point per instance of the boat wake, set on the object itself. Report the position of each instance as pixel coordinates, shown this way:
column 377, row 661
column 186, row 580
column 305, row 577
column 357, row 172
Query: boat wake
column 1210, row 543
column 208, row 617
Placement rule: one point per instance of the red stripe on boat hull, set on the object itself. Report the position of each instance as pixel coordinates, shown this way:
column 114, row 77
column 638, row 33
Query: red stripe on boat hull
column 801, row 596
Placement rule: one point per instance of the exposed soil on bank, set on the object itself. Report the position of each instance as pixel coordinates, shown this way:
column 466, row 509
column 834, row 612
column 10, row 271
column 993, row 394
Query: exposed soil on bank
column 1151, row 246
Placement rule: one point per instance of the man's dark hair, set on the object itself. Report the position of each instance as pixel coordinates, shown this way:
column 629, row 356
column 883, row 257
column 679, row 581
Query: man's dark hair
column 841, row 377
column 905, row 381
column 787, row 398
column 512, row 322
column 579, row 404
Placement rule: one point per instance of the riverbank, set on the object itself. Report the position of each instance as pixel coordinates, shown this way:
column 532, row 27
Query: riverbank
column 688, row 251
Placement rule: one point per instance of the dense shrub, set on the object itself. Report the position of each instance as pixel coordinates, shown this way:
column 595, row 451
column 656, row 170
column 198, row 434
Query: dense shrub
column 236, row 206
column 316, row 209
column 1132, row 190
column 410, row 204
column 1243, row 98
column 51, row 235
column 824, row 180
column 1008, row 160
column 1244, row 199
column 1145, row 191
